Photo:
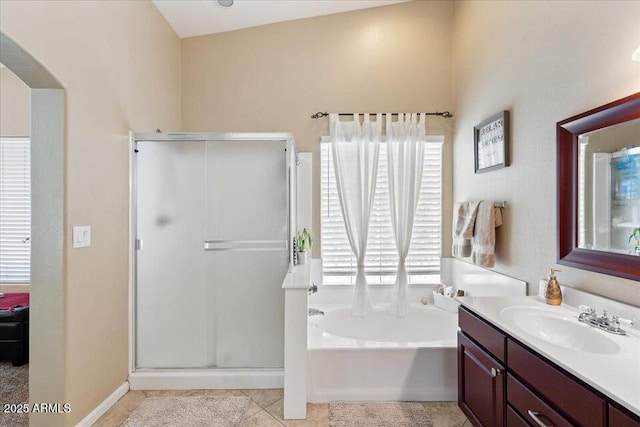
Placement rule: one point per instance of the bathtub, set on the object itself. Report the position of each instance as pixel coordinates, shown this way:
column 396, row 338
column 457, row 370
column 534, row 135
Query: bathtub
column 381, row 357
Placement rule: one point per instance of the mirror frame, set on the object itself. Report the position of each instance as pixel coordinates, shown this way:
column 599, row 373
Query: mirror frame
column 567, row 132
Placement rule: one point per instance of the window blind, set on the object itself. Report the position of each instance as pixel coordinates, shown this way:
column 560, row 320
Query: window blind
column 15, row 210
column 382, row 256
column 581, row 192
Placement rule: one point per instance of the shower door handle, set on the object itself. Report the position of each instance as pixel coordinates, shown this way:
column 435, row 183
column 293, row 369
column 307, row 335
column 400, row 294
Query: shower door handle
column 246, row 245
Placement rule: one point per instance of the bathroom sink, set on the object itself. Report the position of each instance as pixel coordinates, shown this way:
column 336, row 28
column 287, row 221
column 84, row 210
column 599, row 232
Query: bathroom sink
column 559, row 328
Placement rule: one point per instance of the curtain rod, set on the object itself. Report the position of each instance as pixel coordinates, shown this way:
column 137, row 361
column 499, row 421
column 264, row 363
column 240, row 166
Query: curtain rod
column 444, row 114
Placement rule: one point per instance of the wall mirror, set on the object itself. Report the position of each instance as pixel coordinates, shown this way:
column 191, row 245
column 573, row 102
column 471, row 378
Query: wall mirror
column 599, row 189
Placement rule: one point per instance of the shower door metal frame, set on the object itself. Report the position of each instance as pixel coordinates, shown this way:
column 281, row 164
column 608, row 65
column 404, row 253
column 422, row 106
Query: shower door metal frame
column 134, row 137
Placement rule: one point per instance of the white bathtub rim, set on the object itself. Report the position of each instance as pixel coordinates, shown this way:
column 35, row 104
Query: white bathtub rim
column 418, row 326
column 319, row 340
column 418, row 346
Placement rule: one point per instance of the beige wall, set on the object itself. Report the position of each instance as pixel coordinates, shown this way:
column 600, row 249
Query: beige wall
column 543, row 61
column 14, row 105
column 14, row 288
column 120, row 65
column 272, row 78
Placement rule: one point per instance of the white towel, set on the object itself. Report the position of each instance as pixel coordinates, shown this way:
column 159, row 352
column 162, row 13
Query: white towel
column 483, row 243
column 464, row 218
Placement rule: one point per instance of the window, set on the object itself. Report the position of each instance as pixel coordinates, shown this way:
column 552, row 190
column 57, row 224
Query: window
column 15, row 210
column 582, row 153
column 339, row 264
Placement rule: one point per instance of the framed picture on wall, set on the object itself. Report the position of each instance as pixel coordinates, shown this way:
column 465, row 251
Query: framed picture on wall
column 491, row 143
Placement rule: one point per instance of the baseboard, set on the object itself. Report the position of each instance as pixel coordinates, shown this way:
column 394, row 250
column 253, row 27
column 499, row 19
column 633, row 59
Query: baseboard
column 104, row 406
column 325, row 395
column 206, row 379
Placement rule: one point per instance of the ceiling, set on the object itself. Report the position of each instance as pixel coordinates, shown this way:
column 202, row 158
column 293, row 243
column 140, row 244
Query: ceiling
column 191, row 18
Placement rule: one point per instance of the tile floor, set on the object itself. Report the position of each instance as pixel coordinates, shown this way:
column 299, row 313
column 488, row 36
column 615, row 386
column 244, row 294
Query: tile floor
column 266, row 409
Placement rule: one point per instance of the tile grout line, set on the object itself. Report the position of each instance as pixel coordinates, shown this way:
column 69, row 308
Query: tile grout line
column 268, row 414
column 277, row 420
column 273, row 415
column 147, row 394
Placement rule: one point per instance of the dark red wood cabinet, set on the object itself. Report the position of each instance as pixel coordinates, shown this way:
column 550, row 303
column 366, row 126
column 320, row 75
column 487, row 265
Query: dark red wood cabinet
column 482, row 392
column 620, row 418
column 501, row 382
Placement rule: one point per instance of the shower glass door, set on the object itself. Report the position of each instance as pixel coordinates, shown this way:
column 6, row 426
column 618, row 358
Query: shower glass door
column 172, row 307
column 212, row 230
column 248, row 257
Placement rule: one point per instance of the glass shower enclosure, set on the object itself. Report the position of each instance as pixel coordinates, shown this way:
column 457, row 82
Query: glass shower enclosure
column 616, row 200
column 213, row 218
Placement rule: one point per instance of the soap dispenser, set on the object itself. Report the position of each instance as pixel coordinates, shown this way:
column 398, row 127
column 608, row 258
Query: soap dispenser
column 553, row 294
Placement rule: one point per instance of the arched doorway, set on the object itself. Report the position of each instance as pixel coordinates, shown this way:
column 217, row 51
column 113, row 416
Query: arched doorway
column 46, row 342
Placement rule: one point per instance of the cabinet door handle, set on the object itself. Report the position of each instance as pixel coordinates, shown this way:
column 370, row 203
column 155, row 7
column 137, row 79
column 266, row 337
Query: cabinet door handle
column 535, row 416
column 495, row 372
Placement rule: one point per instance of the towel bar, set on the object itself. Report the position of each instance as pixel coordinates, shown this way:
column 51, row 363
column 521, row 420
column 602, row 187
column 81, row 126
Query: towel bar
column 500, row 204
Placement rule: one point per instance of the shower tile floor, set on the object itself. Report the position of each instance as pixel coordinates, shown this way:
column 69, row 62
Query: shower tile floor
column 266, row 409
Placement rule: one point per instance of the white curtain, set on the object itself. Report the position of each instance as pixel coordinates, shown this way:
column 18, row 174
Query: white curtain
column 356, row 148
column 405, row 159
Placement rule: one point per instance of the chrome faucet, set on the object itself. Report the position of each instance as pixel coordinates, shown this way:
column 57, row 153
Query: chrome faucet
column 604, row 322
column 313, row 289
column 315, row 312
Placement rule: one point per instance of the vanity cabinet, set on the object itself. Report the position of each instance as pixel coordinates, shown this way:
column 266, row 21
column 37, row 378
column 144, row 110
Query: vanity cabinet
column 501, row 382
column 481, row 370
column 482, row 383
column 576, row 404
column 514, row 419
column 620, row 418
column 532, row 409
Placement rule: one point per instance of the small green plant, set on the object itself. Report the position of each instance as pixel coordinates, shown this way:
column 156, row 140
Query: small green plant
column 304, row 240
column 635, row 246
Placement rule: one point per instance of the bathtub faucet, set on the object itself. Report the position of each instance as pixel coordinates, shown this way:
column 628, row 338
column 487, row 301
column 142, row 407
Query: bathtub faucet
column 313, row 289
column 315, row 312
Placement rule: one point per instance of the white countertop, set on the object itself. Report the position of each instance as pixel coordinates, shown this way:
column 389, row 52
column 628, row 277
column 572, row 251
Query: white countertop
column 298, row 278
column 614, row 375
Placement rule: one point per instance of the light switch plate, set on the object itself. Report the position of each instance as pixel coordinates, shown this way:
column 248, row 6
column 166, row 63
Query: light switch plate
column 82, row 236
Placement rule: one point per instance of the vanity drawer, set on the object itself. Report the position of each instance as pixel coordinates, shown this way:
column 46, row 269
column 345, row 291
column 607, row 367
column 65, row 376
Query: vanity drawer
column 514, row 419
column 617, row 418
column 571, row 398
column 483, row 333
column 531, row 406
